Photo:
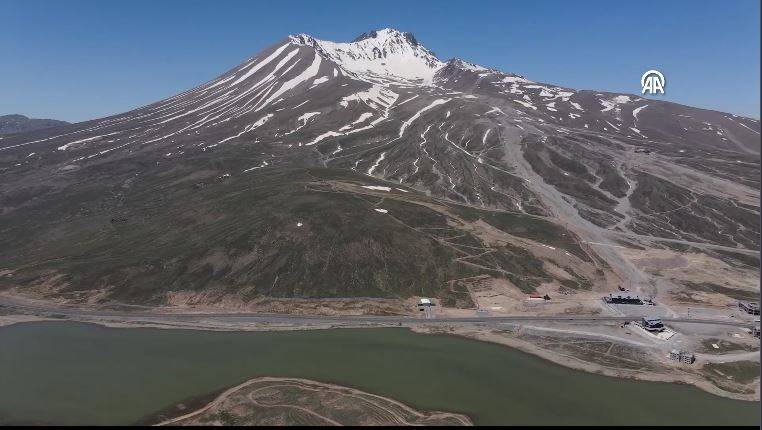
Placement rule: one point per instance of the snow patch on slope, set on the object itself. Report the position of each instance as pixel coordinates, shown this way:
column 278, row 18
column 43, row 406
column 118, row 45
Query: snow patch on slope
column 435, row 103
column 306, row 74
column 258, row 65
column 376, row 97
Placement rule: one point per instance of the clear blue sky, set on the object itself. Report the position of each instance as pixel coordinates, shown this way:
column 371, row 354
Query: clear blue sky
column 81, row 59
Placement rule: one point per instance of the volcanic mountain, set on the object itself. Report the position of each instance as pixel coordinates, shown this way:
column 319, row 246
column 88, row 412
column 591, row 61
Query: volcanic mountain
column 373, row 170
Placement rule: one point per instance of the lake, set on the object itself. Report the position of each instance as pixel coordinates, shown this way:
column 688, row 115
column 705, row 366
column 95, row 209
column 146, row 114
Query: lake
column 74, row 373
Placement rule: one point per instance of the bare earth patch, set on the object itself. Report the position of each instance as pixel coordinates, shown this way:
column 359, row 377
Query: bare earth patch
column 689, row 270
column 291, row 401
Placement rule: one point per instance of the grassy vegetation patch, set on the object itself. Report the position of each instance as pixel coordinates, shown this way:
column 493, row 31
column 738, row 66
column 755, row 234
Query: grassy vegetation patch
column 526, row 226
column 734, row 293
column 458, row 296
column 249, row 235
column 734, row 377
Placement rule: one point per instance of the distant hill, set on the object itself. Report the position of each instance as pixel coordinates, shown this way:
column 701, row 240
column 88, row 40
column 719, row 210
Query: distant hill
column 19, row 124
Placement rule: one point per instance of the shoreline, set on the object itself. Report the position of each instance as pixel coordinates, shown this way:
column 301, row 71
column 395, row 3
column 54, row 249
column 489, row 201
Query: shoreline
column 472, row 332
column 594, row 368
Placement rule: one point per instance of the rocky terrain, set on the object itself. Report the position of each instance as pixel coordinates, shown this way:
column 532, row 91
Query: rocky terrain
column 10, row 124
column 373, row 169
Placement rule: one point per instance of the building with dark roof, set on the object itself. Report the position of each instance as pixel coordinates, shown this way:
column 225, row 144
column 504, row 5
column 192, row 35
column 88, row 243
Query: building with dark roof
column 624, row 298
column 652, row 324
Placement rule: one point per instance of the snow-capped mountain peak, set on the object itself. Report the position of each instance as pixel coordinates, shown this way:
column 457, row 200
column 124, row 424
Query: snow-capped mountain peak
column 385, row 53
column 388, row 34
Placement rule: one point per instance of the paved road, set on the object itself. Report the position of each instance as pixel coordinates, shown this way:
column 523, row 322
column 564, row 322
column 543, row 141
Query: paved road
column 364, row 319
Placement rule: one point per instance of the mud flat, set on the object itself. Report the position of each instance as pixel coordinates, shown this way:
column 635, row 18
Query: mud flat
column 293, row 401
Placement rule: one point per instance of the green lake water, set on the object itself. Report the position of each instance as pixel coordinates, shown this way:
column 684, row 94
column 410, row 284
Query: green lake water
column 72, row 373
